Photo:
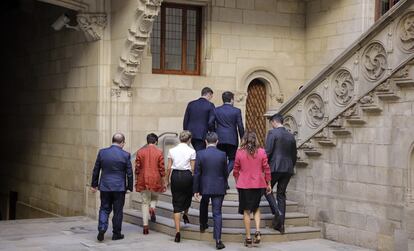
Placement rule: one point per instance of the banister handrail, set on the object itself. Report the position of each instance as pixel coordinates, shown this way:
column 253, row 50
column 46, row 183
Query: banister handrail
column 363, row 40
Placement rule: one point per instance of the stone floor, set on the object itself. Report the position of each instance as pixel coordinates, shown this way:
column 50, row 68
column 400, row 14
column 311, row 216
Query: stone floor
column 79, row 233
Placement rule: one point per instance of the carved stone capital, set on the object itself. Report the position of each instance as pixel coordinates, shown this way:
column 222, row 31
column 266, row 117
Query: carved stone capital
column 277, row 97
column 240, row 97
column 92, row 25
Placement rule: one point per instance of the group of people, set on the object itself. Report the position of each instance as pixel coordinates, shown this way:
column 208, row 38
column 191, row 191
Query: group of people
column 201, row 171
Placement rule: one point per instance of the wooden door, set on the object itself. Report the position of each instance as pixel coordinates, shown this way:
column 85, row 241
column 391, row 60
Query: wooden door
column 256, row 108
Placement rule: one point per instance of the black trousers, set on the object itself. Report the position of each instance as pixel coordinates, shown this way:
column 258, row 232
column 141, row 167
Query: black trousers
column 216, row 205
column 230, row 151
column 109, row 201
column 198, row 144
column 278, row 206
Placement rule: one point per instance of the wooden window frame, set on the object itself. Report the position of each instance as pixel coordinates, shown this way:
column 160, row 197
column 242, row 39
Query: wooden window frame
column 378, row 13
column 183, row 70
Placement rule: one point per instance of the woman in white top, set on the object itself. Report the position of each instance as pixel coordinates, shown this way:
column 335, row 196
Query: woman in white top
column 180, row 167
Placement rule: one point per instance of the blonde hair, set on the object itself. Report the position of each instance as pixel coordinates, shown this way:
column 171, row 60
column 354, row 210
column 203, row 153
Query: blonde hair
column 185, row 136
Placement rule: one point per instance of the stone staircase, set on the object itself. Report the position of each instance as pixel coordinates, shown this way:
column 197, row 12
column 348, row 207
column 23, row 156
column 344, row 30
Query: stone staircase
column 353, row 124
column 233, row 229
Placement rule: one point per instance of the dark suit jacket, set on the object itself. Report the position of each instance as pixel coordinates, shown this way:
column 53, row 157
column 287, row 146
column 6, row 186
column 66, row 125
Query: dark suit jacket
column 199, row 118
column 116, row 166
column 210, row 172
column 281, row 150
column 228, row 121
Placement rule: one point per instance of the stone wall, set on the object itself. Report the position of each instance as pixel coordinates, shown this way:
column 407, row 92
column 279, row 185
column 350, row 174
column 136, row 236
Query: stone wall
column 239, row 39
column 356, row 191
column 331, row 26
column 49, row 105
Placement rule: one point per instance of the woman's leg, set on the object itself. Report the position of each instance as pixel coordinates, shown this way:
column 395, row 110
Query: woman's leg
column 246, row 219
column 257, row 216
column 177, row 222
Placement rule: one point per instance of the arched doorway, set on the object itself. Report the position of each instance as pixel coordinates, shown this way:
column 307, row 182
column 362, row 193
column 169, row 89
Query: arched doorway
column 256, row 108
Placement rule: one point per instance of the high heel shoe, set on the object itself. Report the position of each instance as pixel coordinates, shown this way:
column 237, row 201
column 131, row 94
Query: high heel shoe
column 257, row 237
column 248, row 242
column 177, row 237
column 185, row 218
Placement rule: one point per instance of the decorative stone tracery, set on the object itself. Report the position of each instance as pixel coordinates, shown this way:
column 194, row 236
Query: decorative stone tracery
column 374, row 61
column 314, row 110
column 343, row 87
column 406, row 32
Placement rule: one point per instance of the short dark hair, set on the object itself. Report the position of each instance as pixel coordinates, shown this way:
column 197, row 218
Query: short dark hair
column 206, row 90
column 277, row 117
column 152, row 138
column 211, row 137
column 118, row 138
column 227, row 96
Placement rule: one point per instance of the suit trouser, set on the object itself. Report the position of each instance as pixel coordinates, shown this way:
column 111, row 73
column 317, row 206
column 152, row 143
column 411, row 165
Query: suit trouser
column 149, row 199
column 198, row 144
column 279, row 207
column 109, row 201
column 230, row 151
column 216, row 204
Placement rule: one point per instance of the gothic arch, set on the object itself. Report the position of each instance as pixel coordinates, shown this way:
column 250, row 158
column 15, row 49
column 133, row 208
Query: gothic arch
column 274, row 91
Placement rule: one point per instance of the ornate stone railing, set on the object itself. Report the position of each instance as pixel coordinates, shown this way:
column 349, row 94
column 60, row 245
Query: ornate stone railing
column 378, row 55
column 137, row 41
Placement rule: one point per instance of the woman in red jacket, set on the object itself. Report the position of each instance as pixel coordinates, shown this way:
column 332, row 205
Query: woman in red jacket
column 149, row 173
column 252, row 175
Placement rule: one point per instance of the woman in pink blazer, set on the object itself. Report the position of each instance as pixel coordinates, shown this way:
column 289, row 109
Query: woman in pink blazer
column 252, row 175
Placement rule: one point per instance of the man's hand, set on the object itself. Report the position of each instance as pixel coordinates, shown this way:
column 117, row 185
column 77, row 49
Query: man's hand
column 166, row 182
column 268, row 189
column 94, row 189
column 197, row 196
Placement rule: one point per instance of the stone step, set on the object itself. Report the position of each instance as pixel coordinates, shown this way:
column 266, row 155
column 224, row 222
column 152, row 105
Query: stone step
column 230, row 220
column 301, row 164
column 312, row 152
column 326, row 142
column 355, row 120
column 404, row 83
column 192, row 231
column 231, row 203
column 387, row 96
column 373, row 108
column 341, row 131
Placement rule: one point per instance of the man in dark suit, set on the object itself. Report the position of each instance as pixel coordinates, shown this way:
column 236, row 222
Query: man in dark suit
column 199, row 118
column 228, row 121
column 282, row 154
column 210, row 181
column 115, row 167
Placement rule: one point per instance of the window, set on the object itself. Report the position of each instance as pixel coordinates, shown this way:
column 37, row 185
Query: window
column 382, row 6
column 175, row 40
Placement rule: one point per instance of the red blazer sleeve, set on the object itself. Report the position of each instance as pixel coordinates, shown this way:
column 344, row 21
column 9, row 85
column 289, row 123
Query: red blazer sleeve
column 137, row 167
column 161, row 166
